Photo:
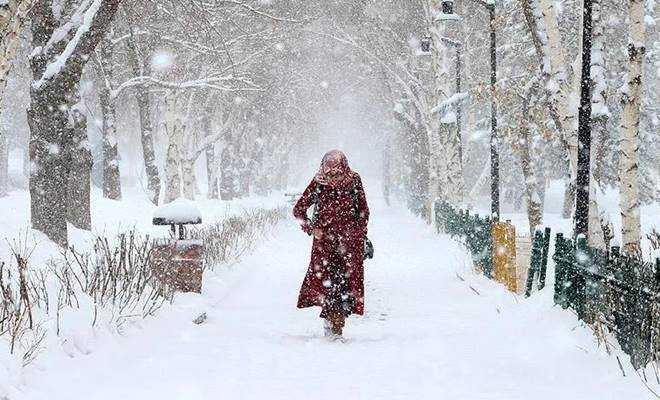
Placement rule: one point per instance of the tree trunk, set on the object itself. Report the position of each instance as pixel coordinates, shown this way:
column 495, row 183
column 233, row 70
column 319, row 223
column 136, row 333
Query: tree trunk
column 146, row 136
column 48, row 180
column 107, row 101
column 52, row 94
column 189, row 179
column 4, row 163
column 631, row 101
column 542, row 21
column 212, row 172
column 455, row 183
column 188, row 159
column 569, row 199
column 211, row 164
column 532, row 197
column 140, row 68
column 13, row 18
column 599, row 118
column 443, row 148
column 228, row 178
column 173, row 127
column 111, row 177
column 80, row 173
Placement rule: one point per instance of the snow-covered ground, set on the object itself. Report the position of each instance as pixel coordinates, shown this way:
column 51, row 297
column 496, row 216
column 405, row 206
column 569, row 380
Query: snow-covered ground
column 433, row 330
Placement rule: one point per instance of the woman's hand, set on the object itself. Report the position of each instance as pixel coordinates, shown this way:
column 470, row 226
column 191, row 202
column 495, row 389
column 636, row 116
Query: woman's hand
column 318, row 233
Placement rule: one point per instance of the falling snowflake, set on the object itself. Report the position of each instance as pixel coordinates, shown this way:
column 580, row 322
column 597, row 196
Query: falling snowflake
column 162, row 61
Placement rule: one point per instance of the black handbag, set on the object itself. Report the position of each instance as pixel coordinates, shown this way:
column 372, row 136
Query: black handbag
column 368, row 249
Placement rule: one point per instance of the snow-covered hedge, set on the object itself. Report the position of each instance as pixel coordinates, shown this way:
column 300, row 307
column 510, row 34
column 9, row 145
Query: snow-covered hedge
column 77, row 292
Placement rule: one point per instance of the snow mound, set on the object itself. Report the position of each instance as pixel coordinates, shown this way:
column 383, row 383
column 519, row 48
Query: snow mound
column 180, row 211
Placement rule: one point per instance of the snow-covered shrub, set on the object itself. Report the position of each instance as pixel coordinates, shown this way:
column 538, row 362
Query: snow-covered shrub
column 225, row 241
column 22, row 296
column 116, row 274
column 109, row 284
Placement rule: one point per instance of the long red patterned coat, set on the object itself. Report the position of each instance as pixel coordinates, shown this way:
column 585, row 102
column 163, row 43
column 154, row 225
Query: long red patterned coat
column 336, row 267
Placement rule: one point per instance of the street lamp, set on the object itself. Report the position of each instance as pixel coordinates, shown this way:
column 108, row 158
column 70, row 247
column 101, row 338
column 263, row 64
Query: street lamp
column 448, row 6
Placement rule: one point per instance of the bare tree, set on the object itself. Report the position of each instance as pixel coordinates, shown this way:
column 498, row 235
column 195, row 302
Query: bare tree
column 62, row 45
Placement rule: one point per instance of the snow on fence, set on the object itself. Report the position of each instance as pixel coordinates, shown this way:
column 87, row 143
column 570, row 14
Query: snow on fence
column 494, row 248
column 613, row 293
column 472, row 230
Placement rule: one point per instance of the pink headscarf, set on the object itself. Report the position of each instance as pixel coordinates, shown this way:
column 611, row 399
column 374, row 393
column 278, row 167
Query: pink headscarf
column 335, row 161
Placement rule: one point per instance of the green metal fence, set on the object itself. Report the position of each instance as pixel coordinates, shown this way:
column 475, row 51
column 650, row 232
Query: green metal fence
column 604, row 288
column 472, row 230
column 538, row 264
column 608, row 288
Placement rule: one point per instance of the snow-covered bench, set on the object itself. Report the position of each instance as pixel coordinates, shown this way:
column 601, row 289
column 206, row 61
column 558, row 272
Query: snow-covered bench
column 177, row 263
column 180, row 212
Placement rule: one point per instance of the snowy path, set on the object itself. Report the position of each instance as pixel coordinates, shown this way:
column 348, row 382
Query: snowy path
column 426, row 335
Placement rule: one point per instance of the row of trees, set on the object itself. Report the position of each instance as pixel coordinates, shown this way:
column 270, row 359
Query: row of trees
column 239, row 87
column 197, row 72
column 539, row 54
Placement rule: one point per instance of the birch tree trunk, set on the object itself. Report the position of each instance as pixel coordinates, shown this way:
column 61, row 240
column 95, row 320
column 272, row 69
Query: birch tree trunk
column 561, row 89
column 532, row 197
column 4, row 162
column 189, row 154
column 212, row 172
column 631, row 100
column 599, row 118
column 173, row 126
column 188, row 174
column 445, row 144
column 13, row 18
column 211, row 162
column 541, row 20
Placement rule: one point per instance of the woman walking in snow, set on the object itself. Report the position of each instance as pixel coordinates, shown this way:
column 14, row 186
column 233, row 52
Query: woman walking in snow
column 335, row 277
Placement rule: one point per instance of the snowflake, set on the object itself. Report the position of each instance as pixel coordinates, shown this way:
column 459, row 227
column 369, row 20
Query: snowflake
column 162, row 60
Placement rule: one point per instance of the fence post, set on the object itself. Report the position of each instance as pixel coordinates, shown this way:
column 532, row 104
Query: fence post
column 487, row 255
column 544, row 258
column 535, row 262
column 564, row 257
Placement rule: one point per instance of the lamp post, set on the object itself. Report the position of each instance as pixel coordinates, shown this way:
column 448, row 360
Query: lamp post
column 494, row 141
column 584, row 128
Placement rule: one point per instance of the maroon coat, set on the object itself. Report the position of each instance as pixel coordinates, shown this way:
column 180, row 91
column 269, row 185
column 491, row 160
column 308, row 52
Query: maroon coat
column 340, row 250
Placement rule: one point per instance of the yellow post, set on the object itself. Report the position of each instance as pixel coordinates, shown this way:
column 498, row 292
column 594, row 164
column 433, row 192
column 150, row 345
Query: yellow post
column 504, row 254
